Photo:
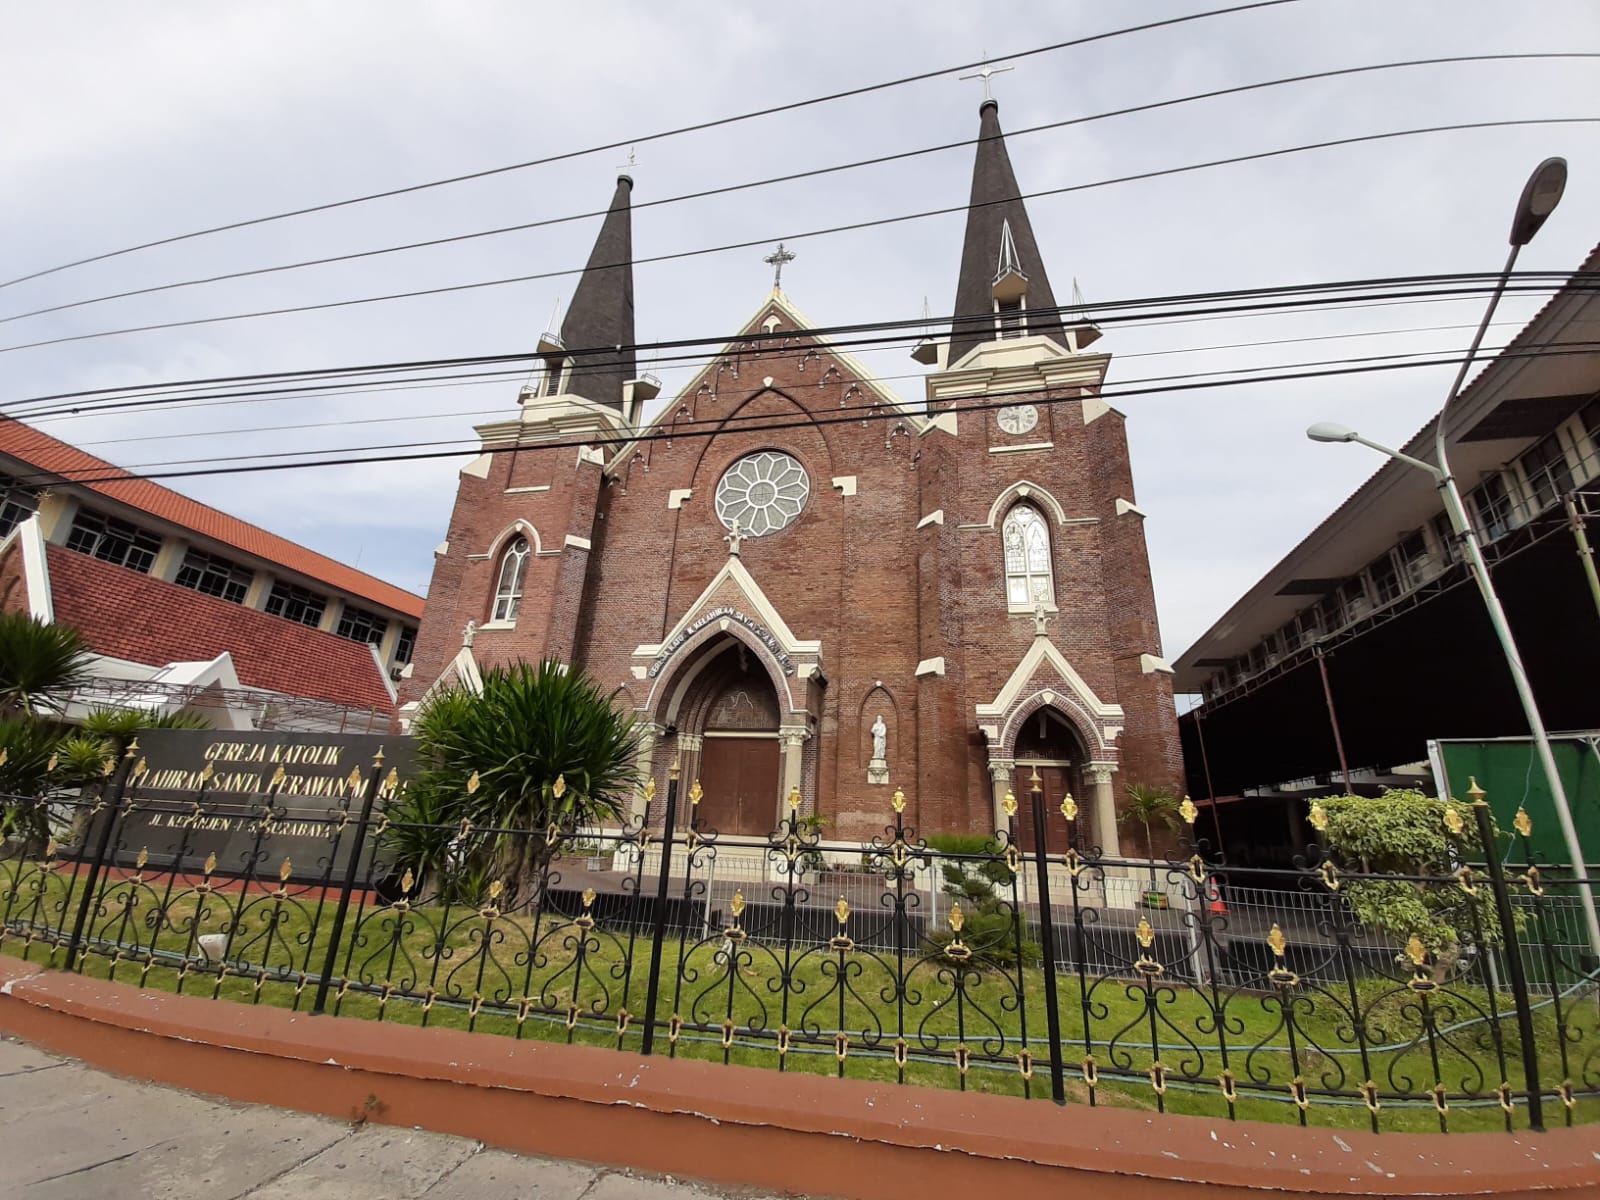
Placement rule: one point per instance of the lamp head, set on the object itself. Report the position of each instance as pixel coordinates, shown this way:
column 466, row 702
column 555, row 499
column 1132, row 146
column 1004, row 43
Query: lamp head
column 1329, row 431
column 1540, row 195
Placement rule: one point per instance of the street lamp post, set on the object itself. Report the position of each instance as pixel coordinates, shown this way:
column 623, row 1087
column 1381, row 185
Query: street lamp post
column 1539, row 198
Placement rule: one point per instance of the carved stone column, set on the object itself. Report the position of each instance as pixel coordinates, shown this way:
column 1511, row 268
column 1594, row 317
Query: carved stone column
column 1001, row 772
column 689, row 747
column 644, row 762
column 1105, row 808
column 793, row 740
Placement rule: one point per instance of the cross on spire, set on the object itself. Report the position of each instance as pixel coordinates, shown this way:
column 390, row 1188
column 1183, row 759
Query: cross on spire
column 633, row 161
column 988, row 72
column 775, row 260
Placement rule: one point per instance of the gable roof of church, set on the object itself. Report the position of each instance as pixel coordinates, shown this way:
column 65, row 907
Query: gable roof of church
column 799, row 324
column 999, row 236
column 601, row 312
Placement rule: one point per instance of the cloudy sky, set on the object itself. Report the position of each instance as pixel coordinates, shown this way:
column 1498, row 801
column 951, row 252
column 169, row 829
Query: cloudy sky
column 127, row 123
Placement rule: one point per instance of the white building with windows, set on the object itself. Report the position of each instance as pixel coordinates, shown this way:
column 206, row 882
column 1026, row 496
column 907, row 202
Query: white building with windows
column 185, row 605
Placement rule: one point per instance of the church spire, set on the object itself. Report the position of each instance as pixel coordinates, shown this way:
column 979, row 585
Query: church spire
column 1003, row 280
column 601, row 312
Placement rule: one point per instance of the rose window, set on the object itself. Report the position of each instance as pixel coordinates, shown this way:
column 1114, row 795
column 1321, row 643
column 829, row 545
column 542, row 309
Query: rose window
column 762, row 493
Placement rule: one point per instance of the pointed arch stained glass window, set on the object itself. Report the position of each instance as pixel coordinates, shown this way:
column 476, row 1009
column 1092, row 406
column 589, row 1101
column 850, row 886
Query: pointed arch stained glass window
column 762, row 493
column 508, row 590
column 1029, row 579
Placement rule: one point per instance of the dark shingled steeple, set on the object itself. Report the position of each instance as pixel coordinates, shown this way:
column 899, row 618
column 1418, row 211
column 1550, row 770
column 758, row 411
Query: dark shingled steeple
column 601, row 312
column 997, row 203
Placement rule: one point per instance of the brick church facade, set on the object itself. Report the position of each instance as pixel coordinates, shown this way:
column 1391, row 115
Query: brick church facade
column 793, row 579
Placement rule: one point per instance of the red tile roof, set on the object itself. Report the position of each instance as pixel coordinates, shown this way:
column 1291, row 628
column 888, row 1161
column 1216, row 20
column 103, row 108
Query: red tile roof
column 123, row 614
column 54, row 457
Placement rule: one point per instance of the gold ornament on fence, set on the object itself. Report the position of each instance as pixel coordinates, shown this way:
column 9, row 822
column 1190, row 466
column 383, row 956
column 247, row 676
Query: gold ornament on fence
column 1453, row 821
column 210, row 864
column 354, row 781
column 649, row 789
column 1474, row 792
column 736, row 905
column 794, row 799
column 558, row 789
column 407, row 881
column 54, row 759
column 1277, row 941
column 278, row 777
column 696, row 793
column 899, row 801
column 1145, row 933
column 1188, row 811
column 108, row 766
column 841, row 910
column 588, row 897
column 1069, row 808
column 957, row 919
column 1416, row 951
column 286, row 870
column 391, row 782
column 1522, row 823
column 1009, row 804
column 472, row 783
column 1319, row 816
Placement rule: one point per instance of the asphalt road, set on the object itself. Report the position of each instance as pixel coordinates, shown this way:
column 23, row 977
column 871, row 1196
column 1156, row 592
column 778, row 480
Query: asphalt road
column 69, row 1132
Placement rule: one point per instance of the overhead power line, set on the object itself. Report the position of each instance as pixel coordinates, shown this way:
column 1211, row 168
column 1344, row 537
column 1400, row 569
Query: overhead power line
column 643, row 139
column 882, row 413
column 736, row 424
column 854, row 226
column 792, row 177
column 479, row 379
column 846, row 336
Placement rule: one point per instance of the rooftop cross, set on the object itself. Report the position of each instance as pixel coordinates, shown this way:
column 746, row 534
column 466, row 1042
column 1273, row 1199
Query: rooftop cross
column 986, row 74
column 775, row 260
column 633, row 160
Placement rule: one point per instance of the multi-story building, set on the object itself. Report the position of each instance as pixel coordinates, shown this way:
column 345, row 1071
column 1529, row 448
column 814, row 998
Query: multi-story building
column 1370, row 638
column 183, row 604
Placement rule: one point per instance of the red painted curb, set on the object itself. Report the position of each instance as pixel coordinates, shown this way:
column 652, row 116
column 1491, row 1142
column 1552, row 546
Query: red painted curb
column 743, row 1125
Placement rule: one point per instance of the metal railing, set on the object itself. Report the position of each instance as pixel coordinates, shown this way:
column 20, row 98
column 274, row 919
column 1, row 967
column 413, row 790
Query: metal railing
column 1189, row 985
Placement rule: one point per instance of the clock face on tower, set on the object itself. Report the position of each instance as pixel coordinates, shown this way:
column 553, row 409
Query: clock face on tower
column 1018, row 418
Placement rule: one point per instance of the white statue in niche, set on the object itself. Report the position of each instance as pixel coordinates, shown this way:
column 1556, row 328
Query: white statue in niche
column 878, row 767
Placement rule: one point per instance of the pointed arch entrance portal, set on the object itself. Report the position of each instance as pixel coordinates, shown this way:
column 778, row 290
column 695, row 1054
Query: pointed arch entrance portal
column 732, row 715
column 1047, row 746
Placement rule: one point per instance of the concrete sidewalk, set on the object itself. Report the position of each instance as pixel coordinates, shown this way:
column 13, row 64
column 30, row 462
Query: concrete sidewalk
column 68, row 1132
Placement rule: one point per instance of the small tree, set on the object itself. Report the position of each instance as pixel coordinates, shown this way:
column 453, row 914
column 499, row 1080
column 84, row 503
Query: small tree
column 989, row 928
column 539, row 747
column 1149, row 805
column 1407, row 833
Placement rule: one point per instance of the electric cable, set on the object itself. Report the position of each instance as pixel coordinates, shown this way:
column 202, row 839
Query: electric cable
column 643, row 139
column 882, row 412
column 1011, row 135
column 1105, row 314
column 851, row 227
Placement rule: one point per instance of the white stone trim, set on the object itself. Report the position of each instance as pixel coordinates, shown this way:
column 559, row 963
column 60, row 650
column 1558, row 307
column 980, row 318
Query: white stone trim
column 591, row 454
column 528, row 530
column 936, row 517
column 478, row 468
column 1150, row 664
column 543, row 487
column 442, row 549
column 582, row 543
column 35, row 568
column 930, row 666
column 944, row 422
column 1022, row 446
column 846, row 484
column 1043, row 651
column 677, row 496
column 1094, row 408
column 1124, row 507
column 489, row 626
column 1024, row 489
column 383, row 673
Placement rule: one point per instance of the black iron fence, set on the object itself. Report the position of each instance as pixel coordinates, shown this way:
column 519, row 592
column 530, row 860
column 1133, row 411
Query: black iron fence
column 1186, row 986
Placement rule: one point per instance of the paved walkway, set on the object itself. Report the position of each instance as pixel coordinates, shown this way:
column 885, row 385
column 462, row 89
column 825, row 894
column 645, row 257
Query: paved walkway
column 68, row 1132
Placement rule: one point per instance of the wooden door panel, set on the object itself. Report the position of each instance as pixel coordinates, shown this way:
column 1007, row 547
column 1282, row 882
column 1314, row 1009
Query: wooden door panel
column 1054, row 783
column 739, row 777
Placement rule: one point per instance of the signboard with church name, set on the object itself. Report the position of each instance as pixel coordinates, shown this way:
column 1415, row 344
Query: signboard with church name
column 207, row 792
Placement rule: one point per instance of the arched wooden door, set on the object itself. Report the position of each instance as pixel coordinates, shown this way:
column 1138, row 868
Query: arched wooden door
column 1048, row 746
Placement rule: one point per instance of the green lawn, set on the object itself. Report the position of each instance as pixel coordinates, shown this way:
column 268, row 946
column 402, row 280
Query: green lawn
column 834, row 1009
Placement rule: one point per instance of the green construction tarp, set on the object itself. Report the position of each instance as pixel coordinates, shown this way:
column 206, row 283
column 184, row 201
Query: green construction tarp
column 1509, row 772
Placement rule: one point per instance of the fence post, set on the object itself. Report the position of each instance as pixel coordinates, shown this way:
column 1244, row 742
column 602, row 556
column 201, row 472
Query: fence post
column 102, row 845
column 336, row 936
column 659, row 933
column 1047, row 937
column 1514, row 965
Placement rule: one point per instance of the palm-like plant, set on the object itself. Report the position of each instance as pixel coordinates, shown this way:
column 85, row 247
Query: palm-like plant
column 39, row 663
column 1148, row 805
column 540, row 747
